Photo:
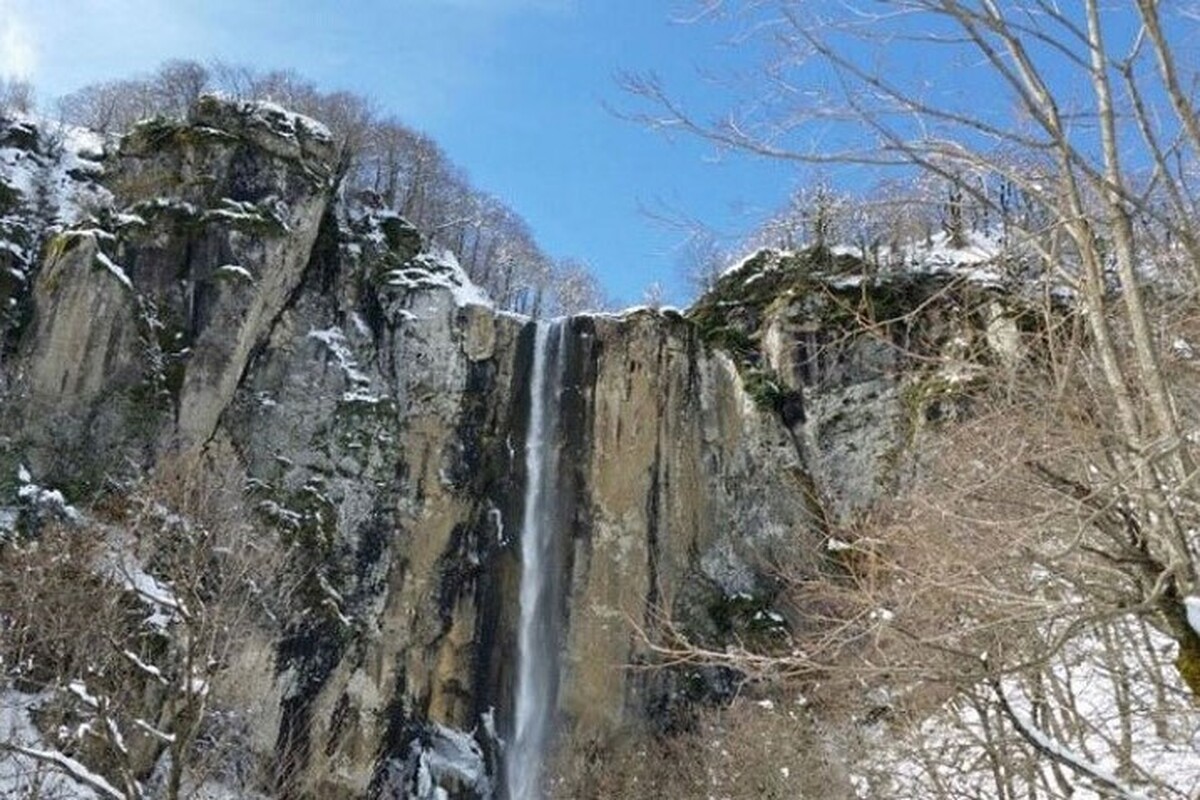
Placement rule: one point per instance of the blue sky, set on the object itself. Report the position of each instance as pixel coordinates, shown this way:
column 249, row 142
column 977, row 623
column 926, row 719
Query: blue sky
column 514, row 90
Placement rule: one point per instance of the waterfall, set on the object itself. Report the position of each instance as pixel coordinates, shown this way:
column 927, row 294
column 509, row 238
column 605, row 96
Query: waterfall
column 537, row 642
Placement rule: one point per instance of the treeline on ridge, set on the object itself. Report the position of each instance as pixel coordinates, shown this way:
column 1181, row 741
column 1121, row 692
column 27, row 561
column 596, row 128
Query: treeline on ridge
column 404, row 169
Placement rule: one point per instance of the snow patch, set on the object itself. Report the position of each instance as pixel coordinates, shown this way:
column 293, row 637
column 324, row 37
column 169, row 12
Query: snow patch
column 439, row 270
column 30, row 767
column 335, row 342
column 116, row 271
column 1192, row 604
column 235, row 271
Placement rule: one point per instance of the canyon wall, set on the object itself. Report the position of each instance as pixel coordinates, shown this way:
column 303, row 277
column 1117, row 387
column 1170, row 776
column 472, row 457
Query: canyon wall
column 219, row 303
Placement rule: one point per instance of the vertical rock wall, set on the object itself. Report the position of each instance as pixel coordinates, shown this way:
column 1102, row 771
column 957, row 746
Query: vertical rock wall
column 228, row 309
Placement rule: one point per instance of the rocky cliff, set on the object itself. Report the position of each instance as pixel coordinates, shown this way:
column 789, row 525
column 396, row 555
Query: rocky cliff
column 206, row 296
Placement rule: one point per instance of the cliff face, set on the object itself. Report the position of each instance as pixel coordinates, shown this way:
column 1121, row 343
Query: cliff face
column 220, row 306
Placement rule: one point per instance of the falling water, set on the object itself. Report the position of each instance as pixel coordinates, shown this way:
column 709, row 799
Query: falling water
column 537, row 646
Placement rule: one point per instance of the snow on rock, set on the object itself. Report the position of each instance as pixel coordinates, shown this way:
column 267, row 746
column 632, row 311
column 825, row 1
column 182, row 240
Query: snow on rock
column 975, row 260
column 8, row 521
column 439, row 270
column 1192, row 604
column 771, row 262
column 335, row 342
column 53, row 167
column 235, row 271
column 114, row 269
column 121, row 564
column 288, row 124
column 30, row 768
column 942, row 253
column 451, row 757
column 45, row 502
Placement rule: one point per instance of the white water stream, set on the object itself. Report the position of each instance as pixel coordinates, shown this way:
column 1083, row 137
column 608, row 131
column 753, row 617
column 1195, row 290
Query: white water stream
column 537, row 648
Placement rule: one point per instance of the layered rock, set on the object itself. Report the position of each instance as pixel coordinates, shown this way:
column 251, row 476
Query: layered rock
column 224, row 307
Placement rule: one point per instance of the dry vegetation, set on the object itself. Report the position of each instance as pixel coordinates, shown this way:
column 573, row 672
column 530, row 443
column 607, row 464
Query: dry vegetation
column 124, row 624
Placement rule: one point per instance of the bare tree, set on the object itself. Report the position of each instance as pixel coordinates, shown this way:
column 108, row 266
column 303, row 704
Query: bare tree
column 1084, row 158
column 126, row 628
column 1076, row 90
column 16, row 96
column 110, row 107
column 404, row 170
column 574, row 289
column 177, row 86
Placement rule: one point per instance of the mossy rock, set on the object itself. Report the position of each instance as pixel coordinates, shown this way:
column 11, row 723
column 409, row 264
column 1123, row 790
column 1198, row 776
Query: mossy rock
column 749, row 619
column 10, row 199
column 933, row 398
column 158, row 134
column 771, row 394
column 1187, row 662
column 402, row 237
column 19, row 136
column 731, row 316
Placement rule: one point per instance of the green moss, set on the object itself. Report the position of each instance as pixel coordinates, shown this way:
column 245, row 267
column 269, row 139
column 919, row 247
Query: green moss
column 764, row 386
column 255, row 219
column 750, row 619
column 162, row 133
column 732, row 340
column 62, row 244
column 1188, row 663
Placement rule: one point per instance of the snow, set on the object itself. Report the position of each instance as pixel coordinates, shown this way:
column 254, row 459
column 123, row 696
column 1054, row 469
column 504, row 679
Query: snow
column 235, row 271
column 21, row 772
column 1076, row 761
column 771, row 263
column 979, row 248
column 48, row 500
column 125, row 220
column 151, row 670
column 359, row 396
column 455, row 757
column 165, row 738
column 18, row 253
column 286, row 123
column 72, row 769
column 882, row 614
column 848, row 282
column 975, row 261
column 117, row 271
column 8, row 520
column 80, row 690
column 269, row 210
column 121, row 564
column 59, row 179
column 335, row 341
column 439, row 270
column 1192, row 604
column 1128, row 690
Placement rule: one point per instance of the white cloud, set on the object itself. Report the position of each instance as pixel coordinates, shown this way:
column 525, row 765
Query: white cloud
column 18, row 50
